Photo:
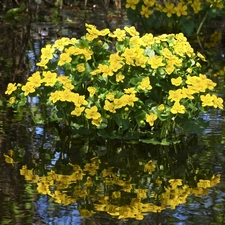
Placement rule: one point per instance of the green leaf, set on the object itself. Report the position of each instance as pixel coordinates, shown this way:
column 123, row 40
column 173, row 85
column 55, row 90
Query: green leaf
column 187, row 26
column 150, row 141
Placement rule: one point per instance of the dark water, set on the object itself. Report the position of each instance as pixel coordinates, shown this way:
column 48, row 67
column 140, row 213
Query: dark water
column 47, row 179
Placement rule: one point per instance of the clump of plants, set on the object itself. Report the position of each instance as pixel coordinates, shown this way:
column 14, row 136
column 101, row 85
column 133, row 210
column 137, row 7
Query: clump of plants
column 172, row 16
column 118, row 85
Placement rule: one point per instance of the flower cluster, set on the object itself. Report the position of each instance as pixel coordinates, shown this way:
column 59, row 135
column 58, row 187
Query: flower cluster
column 119, row 81
column 170, row 8
column 186, row 16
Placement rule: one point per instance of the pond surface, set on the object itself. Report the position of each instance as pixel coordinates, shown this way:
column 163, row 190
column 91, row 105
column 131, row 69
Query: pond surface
column 47, row 179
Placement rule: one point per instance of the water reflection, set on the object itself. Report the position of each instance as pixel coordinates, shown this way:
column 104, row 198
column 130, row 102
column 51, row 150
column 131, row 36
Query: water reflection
column 73, row 182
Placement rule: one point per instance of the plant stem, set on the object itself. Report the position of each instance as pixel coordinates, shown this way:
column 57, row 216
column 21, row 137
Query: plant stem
column 199, row 29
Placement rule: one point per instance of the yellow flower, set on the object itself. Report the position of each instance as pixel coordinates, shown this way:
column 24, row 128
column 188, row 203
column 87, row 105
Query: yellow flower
column 196, row 5
column 130, row 90
column 33, row 178
column 149, row 3
column 28, row 88
column 109, row 106
column 61, row 43
column 177, row 108
column 127, row 187
column 145, row 84
column 78, row 100
column 169, row 9
column 201, row 56
column 175, row 182
column 64, row 58
column 55, row 96
column 187, row 93
column 49, row 78
column 92, row 113
column 116, row 194
column 149, row 166
column 167, row 53
column 119, row 34
column 217, row 102
column 110, row 96
column 43, row 188
column 96, row 122
column 175, row 95
column 161, row 107
column 47, row 52
column 169, row 68
column 131, row 4
column 145, row 11
column 10, row 88
column 91, row 168
column 176, row 81
column 85, row 212
column 43, row 63
column 91, row 90
column 141, row 193
column 150, row 118
column 80, row 67
column 119, row 77
column 8, row 159
column 12, row 100
column 128, row 100
column 132, row 30
column 89, row 182
column 35, row 79
column 204, row 184
column 77, row 111
column 181, row 9
column 215, row 180
column 156, row 61
column 207, row 100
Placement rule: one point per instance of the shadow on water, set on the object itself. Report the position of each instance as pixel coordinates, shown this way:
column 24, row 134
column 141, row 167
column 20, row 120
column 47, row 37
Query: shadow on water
column 45, row 179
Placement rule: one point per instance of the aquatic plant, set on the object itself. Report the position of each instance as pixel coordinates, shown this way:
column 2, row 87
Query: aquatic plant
column 118, row 85
column 174, row 16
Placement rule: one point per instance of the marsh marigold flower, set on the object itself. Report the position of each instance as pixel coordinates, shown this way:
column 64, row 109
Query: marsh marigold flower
column 145, row 11
column 176, row 81
column 119, row 34
column 80, row 67
column 92, row 113
column 131, row 4
column 207, row 100
column 177, row 108
column 169, row 9
column 119, row 77
column 91, row 91
column 145, row 84
column 28, row 88
column 150, row 118
column 50, row 78
column 156, row 61
column 149, row 166
column 47, row 52
column 161, row 107
column 10, row 88
column 181, row 9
